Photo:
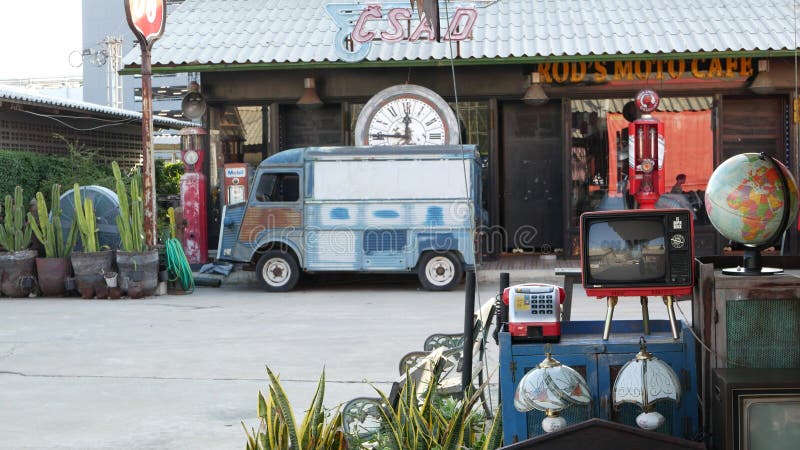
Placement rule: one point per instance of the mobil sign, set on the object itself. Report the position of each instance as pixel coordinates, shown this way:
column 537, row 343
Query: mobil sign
column 146, row 18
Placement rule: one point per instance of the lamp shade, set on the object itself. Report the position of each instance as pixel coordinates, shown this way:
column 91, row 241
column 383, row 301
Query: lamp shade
column 535, row 95
column 193, row 104
column 551, row 387
column 309, row 99
column 644, row 381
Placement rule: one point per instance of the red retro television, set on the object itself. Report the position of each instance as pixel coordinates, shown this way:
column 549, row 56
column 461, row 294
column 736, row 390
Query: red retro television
column 637, row 252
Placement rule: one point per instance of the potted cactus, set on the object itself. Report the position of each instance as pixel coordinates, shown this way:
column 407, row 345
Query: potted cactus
column 17, row 263
column 138, row 265
column 91, row 263
column 54, row 268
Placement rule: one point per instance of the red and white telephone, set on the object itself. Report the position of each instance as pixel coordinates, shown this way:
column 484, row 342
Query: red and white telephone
column 534, row 311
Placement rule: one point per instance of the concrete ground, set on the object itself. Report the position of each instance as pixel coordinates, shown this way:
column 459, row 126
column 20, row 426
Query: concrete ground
column 184, row 371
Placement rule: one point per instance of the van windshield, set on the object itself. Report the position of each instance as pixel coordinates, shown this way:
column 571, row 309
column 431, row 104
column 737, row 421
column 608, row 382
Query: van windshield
column 278, row 187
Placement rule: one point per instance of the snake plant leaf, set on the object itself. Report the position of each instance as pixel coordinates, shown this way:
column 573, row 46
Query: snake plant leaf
column 494, row 439
column 262, row 406
column 284, row 409
column 314, row 417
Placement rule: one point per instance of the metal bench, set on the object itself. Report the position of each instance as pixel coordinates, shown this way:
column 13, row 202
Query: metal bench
column 571, row 276
column 443, row 353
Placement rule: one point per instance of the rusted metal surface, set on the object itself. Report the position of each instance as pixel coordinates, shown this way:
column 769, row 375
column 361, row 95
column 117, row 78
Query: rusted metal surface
column 148, row 173
column 257, row 220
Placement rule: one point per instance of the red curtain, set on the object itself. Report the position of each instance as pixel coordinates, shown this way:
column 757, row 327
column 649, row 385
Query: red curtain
column 689, row 146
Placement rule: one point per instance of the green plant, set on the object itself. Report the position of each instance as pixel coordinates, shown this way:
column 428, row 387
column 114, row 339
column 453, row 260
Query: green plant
column 130, row 220
column 168, row 178
column 86, row 221
column 48, row 228
column 429, row 423
column 15, row 233
column 277, row 427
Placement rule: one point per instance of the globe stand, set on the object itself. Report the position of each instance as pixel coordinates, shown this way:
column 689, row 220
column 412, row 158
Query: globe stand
column 751, row 265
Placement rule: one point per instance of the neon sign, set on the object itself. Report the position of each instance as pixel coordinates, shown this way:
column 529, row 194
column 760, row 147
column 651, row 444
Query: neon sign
column 360, row 26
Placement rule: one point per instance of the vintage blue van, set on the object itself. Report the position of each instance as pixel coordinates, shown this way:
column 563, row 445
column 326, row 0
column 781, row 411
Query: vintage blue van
column 358, row 209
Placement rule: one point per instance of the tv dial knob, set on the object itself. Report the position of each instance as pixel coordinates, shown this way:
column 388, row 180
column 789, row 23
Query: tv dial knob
column 678, row 241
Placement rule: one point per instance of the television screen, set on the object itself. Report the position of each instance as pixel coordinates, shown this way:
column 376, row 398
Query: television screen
column 637, row 252
column 627, row 250
column 770, row 422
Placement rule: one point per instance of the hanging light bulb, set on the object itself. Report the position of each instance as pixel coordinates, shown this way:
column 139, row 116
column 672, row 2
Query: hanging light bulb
column 644, row 381
column 551, row 387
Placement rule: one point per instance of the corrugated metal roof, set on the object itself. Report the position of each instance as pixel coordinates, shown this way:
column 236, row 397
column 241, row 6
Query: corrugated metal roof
column 24, row 96
column 202, row 32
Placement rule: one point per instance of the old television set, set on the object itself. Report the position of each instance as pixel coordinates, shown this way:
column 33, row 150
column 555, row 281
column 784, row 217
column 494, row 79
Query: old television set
column 755, row 409
column 637, row 252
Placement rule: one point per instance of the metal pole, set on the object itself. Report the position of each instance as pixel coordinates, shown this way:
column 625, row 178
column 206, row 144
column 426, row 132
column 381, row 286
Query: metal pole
column 148, row 166
column 469, row 320
column 611, row 303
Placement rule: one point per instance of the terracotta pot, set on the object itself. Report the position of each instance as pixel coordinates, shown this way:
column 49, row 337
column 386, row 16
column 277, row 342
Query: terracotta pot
column 140, row 268
column 53, row 273
column 17, row 273
column 89, row 269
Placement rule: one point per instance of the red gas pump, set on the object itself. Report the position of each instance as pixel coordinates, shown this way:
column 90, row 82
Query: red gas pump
column 236, row 182
column 193, row 195
column 646, row 153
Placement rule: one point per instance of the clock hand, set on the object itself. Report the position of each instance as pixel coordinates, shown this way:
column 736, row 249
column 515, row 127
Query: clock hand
column 407, row 134
column 383, row 135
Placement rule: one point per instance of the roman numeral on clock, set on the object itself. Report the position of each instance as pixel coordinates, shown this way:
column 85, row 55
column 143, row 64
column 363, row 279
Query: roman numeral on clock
column 435, row 136
column 431, row 122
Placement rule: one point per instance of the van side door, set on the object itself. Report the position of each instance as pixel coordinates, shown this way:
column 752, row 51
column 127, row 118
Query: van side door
column 274, row 212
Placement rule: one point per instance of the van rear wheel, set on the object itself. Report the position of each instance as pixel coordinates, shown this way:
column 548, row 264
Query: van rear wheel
column 440, row 271
column 277, row 271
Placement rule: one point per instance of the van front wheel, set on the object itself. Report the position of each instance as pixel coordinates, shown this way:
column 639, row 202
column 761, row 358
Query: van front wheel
column 277, row 271
column 440, row 271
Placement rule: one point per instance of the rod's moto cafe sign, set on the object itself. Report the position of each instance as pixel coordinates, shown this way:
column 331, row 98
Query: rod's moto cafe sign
column 641, row 70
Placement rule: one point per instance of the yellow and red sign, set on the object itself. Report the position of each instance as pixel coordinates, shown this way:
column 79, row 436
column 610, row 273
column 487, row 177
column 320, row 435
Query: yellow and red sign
column 146, row 18
column 642, row 70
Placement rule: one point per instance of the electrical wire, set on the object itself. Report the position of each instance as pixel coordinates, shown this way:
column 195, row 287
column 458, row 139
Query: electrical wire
column 472, row 212
column 47, row 116
column 704, row 345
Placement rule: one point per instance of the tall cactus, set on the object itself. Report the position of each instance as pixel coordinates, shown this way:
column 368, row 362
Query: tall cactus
column 86, row 221
column 130, row 220
column 15, row 232
column 48, row 228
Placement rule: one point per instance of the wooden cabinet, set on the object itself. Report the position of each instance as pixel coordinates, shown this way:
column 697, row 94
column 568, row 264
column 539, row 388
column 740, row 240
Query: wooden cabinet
column 583, row 349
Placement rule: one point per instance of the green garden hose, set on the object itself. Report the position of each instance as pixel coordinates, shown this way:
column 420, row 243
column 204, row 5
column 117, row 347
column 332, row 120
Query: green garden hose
column 177, row 264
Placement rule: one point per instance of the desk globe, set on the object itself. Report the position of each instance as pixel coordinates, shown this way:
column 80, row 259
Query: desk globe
column 746, row 201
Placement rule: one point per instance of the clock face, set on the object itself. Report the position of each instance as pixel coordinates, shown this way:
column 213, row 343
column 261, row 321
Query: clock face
column 406, row 115
column 190, row 157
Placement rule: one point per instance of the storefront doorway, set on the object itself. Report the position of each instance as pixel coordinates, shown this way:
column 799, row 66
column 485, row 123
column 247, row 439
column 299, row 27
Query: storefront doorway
column 532, row 206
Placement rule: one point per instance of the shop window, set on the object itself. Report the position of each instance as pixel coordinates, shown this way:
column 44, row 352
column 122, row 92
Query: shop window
column 599, row 154
column 278, row 187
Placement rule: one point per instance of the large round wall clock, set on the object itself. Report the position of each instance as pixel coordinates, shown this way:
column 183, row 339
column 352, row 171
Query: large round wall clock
column 406, row 114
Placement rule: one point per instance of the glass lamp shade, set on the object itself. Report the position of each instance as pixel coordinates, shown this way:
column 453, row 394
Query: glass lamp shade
column 551, row 387
column 644, row 381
